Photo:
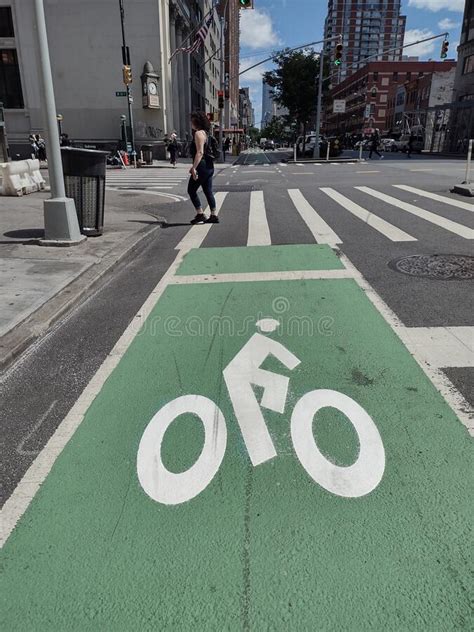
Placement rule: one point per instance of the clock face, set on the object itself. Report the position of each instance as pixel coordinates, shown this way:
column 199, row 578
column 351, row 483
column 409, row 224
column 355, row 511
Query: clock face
column 152, row 88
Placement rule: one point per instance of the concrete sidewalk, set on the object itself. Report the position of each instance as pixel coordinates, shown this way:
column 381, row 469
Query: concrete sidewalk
column 38, row 284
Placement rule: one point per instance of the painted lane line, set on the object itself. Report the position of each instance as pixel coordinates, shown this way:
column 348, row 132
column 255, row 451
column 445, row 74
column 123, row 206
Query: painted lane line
column 441, row 347
column 259, row 231
column 302, row 173
column 385, row 228
column 440, row 381
column 197, row 234
column 245, row 277
column 447, row 224
column 421, row 169
column 321, row 231
column 365, row 171
column 20, row 448
column 438, row 198
column 27, row 488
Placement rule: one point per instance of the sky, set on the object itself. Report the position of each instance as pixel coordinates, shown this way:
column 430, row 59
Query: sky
column 276, row 24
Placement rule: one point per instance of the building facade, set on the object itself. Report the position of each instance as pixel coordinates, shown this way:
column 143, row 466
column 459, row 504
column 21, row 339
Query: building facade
column 246, row 112
column 368, row 28
column 85, row 42
column 367, row 94
column 231, row 13
column 464, row 85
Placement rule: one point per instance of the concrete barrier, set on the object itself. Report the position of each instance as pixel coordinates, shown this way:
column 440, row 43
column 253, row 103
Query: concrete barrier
column 21, row 177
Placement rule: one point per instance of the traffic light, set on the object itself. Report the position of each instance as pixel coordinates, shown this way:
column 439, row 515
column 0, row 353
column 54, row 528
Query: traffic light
column 220, row 95
column 338, row 54
column 444, row 49
column 127, row 75
column 246, row 4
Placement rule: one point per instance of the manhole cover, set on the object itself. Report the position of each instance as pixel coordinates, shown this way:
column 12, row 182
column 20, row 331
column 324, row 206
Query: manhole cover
column 444, row 267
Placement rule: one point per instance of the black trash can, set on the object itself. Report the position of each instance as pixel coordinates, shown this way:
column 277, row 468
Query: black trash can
column 147, row 153
column 84, row 180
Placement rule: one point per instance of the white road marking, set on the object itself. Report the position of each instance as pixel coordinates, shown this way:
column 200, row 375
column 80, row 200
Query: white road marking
column 441, row 347
column 439, row 380
column 447, row 224
column 435, row 196
column 388, row 230
column 302, row 173
column 20, row 448
column 26, row 489
column 321, row 231
column 365, row 171
column 245, row 277
column 259, row 231
column 171, row 196
column 421, row 169
column 197, row 234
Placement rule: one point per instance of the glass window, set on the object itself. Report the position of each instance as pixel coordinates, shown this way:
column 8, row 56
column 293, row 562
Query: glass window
column 468, row 65
column 395, row 76
column 10, row 83
column 6, row 22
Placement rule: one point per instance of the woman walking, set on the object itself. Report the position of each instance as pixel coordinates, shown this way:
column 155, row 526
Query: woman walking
column 202, row 170
column 173, row 149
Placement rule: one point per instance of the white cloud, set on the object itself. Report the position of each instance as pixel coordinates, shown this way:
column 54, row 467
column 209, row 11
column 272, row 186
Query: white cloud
column 447, row 24
column 420, row 50
column 256, row 30
column 437, row 5
column 254, row 75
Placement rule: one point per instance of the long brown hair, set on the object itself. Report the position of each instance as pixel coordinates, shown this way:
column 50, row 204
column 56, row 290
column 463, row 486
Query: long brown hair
column 201, row 121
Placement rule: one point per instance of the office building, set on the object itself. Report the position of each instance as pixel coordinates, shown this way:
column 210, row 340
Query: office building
column 369, row 29
column 464, row 84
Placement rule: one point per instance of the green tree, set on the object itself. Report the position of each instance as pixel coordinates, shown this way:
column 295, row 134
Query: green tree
column 254, row 133
column 295, row 85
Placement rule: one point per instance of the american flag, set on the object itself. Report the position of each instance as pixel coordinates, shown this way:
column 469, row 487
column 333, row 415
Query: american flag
column 200, row 38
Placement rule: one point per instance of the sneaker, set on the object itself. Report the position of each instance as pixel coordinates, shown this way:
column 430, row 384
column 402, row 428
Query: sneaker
column 199, row 219
column 382, row 157
column 212, row 219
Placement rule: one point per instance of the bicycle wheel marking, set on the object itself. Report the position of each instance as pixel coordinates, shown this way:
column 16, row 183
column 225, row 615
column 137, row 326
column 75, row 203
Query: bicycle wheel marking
column 367, row 502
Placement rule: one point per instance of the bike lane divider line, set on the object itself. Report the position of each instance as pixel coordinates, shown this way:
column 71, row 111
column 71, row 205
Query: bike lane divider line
column 315, row 477
column 197, row 234
column 259, row 259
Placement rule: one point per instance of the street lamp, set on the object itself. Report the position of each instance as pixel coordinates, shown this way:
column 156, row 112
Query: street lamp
column 126, row 63
column 60, row 218
column 123, row 118
column 59, row 118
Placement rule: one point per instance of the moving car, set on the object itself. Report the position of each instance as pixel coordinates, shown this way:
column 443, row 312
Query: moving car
column 269, row 144
column 418, row 143
column 389, row 144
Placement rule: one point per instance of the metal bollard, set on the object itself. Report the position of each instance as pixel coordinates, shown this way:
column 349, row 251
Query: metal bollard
column 294, row 153
column 327, row 153
column 360, row 152
column 468, row 164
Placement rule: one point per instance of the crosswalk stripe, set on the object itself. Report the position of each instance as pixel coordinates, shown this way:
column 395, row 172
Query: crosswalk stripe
column 321, row 231
column 447, row 224
column 435, row 196
column 259, row 232
column 197, row 234
column 388, row 230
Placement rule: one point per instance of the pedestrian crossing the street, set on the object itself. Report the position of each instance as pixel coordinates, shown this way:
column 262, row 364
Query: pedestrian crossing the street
column 148, row 179
column 323, row 223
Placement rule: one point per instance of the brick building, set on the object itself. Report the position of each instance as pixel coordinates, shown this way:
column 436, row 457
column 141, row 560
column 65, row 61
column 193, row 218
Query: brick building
column 367, row 94
column 464, row 88
column 231, row 12
column 368, row 28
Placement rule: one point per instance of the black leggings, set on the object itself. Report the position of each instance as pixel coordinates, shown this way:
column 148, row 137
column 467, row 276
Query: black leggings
column 205, row 173
column 374, row 150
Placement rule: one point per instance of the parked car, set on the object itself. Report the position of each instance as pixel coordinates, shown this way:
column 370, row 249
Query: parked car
column 389, row 144
column 309, row 145
column 269, row 144
column 417, row 145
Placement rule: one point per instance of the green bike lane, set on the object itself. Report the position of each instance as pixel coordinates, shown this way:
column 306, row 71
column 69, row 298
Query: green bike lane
column 326, row 486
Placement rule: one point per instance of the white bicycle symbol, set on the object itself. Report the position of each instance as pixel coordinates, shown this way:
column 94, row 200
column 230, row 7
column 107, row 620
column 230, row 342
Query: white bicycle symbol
column 240, row 375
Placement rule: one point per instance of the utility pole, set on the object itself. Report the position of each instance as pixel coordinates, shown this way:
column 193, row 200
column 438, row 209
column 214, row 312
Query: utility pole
column 318, row 110
column 222, row 72
column 60, row 217
column 126, row 62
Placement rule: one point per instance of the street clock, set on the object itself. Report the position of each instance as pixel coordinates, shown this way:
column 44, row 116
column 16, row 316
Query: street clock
column 150, row 88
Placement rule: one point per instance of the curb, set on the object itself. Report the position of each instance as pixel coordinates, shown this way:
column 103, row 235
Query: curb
column 18, row 339
column 463, row 189
column 323, row 161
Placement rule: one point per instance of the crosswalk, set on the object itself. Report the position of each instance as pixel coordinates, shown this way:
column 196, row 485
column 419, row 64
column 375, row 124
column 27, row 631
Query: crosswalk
column 323, row 222
column 149, row 179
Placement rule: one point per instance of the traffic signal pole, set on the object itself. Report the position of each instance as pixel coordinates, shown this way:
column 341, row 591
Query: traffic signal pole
column 318, row 109
column 61, row 226
column 222, row 76
column 126, row 62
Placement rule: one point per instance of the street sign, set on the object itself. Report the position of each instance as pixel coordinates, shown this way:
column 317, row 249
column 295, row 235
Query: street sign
column 309, row 476
column 120, row 94
column 339, row 106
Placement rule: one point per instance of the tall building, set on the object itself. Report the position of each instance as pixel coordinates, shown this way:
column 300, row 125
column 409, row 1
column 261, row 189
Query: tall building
column 231, row 12
column 270, row 107
column 464, row 84
column 246, row 112
column 368, row 28
column 85, row 43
